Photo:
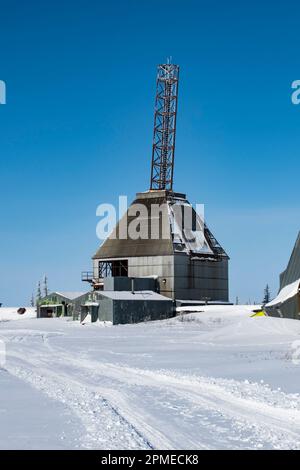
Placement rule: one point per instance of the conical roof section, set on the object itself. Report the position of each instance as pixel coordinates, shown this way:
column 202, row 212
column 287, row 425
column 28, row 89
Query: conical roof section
column 120, row 243
column 166, row 224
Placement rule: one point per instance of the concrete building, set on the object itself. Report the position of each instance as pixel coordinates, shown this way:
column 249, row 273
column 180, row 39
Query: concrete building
column 287, row 302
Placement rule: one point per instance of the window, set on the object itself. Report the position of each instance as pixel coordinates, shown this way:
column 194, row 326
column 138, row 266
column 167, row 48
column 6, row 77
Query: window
column 113, row 268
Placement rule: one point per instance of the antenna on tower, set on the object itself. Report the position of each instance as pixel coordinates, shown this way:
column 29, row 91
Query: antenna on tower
column 163, row 150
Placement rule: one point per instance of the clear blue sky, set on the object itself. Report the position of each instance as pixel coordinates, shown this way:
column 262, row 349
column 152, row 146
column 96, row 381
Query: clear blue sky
column 77, row 129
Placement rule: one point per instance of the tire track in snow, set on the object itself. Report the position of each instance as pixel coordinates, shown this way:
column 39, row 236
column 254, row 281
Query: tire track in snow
column 105, row 427
column 126, row 426
column 278, row 425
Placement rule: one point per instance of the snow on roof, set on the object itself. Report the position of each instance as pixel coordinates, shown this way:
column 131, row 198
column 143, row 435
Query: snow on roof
column 188, row 239
column 286, row 293
column 137, row 295
column 70, row 295
column 50, row 305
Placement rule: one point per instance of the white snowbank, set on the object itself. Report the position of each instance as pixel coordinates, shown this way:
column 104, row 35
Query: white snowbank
column 230, row 310
column 11, row 313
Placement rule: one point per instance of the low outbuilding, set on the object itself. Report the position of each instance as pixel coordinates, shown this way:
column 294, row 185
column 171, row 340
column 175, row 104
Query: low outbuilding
column 120, row 307
column 60, row 304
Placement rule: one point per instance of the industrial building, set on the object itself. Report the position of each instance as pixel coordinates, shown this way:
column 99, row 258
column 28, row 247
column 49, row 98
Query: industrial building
column 287, row 302
column 174, row 245
column 122, row 300
column 161, row 252
column 127, row 305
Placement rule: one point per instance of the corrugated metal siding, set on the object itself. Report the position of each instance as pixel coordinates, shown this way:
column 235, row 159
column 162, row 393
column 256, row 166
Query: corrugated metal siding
column 195, row 280
column 106, row 309
column 136, row 311
column 161, row 266
column 133, row 311
column 289, row 309
column 292, row 272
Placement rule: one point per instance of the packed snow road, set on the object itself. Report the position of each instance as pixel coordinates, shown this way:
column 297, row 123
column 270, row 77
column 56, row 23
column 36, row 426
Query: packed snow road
column 212, row 380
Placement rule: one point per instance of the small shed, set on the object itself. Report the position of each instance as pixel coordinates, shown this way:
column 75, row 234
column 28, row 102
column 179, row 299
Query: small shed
column 60, row 304
column 121, row 307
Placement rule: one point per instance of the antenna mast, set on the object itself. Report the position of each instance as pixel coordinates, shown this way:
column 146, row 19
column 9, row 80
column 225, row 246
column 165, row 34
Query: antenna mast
column 164, row 127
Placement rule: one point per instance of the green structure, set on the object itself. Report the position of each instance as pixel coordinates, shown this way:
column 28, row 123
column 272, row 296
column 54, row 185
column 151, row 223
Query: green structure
column 60, row 304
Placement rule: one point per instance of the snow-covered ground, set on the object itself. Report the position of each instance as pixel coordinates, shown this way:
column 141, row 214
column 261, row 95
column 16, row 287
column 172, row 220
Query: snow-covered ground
column 214, row 379
column 11, row 313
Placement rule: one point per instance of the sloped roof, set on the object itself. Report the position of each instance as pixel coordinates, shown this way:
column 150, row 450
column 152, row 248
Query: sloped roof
column 285, row 294
column 70, row 295
column 183, row 230
column 292, row 272
column 114, row 247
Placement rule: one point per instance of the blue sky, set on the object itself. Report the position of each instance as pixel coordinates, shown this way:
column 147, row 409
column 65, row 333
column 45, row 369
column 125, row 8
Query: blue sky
column 77, row 129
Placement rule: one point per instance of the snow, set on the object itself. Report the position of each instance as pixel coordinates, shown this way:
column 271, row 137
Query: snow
column 286, row 293
column 211, row 379
column 216, row 310
column 136, row 295
column 11, row 313
column 21, row 403
column 189, row 240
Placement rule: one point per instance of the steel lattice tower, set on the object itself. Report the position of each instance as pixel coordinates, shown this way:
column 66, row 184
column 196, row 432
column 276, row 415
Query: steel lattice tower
column 164, row 127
